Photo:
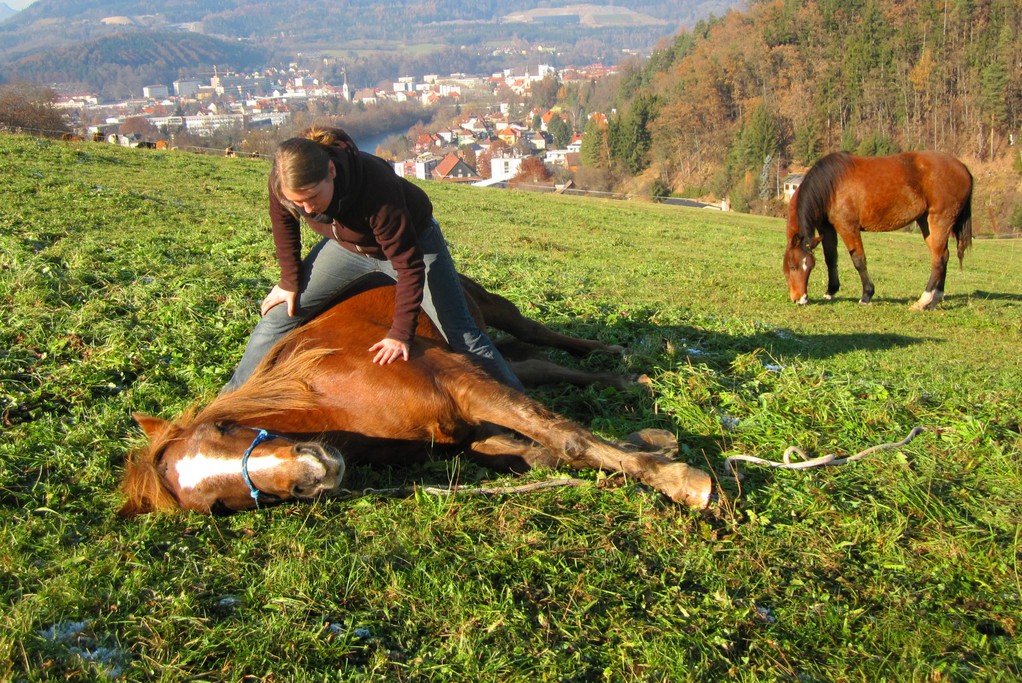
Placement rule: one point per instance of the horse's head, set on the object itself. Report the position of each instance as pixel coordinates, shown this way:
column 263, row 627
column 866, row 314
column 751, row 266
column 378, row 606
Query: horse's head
column 798, row 257
column 798, row 264
column 212, row 466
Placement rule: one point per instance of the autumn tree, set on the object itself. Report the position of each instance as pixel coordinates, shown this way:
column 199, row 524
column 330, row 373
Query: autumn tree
column 468, row 155
column 544, row 91
column 483, row 166
column 140, row 126
column 31, row 108
column 532, row 172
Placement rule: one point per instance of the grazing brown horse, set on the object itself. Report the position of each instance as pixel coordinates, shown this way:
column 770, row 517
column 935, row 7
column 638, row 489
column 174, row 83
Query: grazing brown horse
column 844, row 194
column 318, row 394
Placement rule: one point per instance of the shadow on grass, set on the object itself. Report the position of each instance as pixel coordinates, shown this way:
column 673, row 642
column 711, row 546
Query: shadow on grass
column 995, row 296
column 720, row 349
column 954, row 298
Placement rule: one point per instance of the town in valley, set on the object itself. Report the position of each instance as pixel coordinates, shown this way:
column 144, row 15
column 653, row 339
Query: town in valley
column 486, row 142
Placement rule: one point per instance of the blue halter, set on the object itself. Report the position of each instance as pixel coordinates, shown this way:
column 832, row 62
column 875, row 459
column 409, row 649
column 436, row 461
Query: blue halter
column 262, row 435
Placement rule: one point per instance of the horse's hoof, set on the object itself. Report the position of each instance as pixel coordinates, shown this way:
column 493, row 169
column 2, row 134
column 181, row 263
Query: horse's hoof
column 803, row 301
column 865, row 303
column 652, row 439
column 928, row 301
column 828, row 297
column 693, row 488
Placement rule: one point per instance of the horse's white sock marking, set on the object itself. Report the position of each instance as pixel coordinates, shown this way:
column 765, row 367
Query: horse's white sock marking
column 930, row 299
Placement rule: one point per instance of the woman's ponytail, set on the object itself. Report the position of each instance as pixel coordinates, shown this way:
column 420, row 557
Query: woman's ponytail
column 330, row 136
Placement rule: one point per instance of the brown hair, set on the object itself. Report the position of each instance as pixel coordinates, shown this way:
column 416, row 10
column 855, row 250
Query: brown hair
column 304, row 161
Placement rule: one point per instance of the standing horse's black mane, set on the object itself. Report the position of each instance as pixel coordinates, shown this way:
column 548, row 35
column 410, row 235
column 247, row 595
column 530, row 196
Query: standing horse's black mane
column 814, row 194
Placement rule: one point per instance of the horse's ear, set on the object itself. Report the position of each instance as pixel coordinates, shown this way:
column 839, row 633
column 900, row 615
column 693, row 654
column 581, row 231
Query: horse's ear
column 809, row 243
column 152, row 426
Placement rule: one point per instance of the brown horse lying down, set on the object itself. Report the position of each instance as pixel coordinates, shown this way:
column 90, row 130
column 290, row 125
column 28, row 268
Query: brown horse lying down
column 318, row 395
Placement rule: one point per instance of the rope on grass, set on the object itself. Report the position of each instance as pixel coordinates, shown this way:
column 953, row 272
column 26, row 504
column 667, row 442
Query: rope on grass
column 402, row 491
column 822, row 461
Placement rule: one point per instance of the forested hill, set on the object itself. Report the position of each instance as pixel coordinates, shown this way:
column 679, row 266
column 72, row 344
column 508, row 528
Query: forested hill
column 122, row 62
column 788, row 80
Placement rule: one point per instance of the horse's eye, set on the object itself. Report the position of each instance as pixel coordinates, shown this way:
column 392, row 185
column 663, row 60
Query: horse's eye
column 222, row 427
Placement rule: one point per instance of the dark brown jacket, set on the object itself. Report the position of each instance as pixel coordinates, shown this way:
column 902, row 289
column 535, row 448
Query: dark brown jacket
column 373, row 212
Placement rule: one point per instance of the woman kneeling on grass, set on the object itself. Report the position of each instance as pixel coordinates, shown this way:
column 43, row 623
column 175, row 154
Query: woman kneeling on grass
column 372, row 221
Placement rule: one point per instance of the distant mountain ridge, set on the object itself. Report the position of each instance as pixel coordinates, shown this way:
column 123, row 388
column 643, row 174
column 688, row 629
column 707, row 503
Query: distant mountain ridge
column 6, row 11
column 254, row 18
column 297, row 24
column 123, row 62
column 42, row 42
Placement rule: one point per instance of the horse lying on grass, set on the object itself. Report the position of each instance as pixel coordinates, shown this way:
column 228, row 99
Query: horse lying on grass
column 842, row 195
column 318, row 394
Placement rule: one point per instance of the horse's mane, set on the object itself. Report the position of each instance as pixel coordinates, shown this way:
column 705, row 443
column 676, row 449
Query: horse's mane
column 279, row 384
column 143, row 485
column 815, row 192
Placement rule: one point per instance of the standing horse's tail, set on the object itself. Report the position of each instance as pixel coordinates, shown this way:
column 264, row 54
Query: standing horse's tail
column 963, row 224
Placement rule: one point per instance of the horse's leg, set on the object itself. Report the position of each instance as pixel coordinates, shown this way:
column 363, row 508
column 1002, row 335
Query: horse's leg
column 500, row 313
column 828, row 238
column 534, row 372
column 487, row 402
column 936, row 240
column 852, row 236
column 508, row 451
column 504, row 450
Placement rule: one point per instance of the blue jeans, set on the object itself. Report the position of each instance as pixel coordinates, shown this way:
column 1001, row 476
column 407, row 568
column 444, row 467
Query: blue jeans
column 329, row 269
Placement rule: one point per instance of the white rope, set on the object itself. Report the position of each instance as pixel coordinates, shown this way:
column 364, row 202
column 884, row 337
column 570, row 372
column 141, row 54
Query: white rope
column 466, row 490
column 822, row 461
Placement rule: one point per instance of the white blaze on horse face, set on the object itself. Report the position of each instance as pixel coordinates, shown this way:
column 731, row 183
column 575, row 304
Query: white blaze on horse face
column 193, row 470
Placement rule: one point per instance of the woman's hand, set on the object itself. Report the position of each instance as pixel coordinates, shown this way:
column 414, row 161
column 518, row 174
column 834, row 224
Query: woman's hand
column 279, row 296
column 388, row 350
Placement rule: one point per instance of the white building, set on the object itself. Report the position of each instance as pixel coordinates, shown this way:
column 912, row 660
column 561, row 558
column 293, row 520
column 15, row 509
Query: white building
column 420, row 167
column 186, row 88
column 206, row 124
column 504, row 168
column 155, row 92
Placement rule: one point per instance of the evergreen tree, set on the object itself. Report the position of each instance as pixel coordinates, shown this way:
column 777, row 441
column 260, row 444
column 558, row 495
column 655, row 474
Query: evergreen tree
column 560, row 131
column 594, row 151
column 629, row 135
column 994, row 84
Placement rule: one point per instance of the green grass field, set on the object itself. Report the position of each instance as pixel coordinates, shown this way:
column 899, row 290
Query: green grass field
column 129, row 280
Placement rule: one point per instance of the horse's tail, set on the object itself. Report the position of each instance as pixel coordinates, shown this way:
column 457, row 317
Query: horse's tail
column 816, row 191
column 963, row 224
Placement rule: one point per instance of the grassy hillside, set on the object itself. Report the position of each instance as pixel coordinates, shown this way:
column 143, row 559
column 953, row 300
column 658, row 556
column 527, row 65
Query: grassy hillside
column 129, row 280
